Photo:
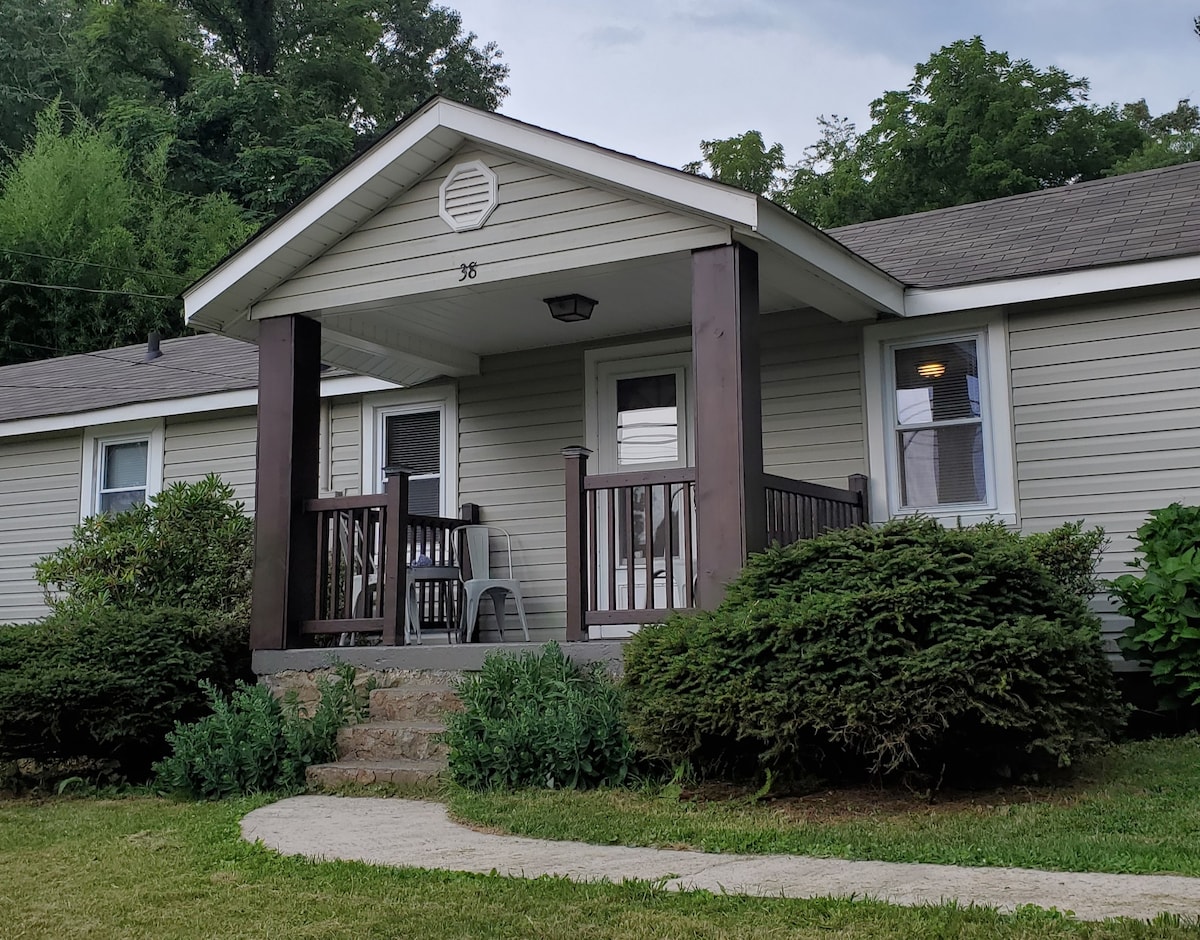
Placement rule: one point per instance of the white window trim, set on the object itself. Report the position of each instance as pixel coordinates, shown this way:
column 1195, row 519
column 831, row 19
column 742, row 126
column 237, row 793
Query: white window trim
column 376, row 409
column 878, row 342
column 94, row 438
column 604, row 362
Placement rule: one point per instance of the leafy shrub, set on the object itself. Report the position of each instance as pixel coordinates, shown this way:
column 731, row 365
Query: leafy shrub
column 908, row 647
column 1070, row 554
column 254, row 743
column 108, row 686
column 1164, row 602
column 538, row 720
column 191, row 546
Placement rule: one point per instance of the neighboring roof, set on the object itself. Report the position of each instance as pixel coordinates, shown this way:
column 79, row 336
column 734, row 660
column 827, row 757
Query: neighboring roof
column 1139, row 217
column 190, row 365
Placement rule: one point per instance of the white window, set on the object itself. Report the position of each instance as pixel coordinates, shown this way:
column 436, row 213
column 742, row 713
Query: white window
column 639, row 406
column 122, row 467
column 418, row 432
column 939, row 423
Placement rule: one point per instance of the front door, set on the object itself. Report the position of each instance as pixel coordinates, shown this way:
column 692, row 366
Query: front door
column 644, row 423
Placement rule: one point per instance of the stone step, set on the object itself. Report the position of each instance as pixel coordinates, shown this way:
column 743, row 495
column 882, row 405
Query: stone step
column 391, row 740
column 362, row 773
column 407, row 702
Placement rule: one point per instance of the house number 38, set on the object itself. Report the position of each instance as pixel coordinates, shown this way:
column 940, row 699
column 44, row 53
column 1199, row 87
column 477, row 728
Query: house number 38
column 467, row 271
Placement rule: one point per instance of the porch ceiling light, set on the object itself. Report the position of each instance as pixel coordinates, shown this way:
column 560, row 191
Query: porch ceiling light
column 570, row 308
column 931, row 370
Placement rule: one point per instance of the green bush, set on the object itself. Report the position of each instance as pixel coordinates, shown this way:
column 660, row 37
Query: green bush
column 538, row 720
column 190, row 547
column 951, row 653
column 253, row 743
column 107, row 687
column 1070, row 554
column 1164, row 602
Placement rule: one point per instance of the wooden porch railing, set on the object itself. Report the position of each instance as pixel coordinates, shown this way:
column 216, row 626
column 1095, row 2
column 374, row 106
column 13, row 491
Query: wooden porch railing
column 631, row 537
column 631, row 553
column 797, row 510
column 363, row 558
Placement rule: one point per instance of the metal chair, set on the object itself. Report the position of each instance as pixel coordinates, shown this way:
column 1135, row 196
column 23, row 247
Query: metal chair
column 474, row 542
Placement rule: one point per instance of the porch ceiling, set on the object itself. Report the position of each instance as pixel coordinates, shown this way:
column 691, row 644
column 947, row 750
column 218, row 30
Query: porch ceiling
column 446, row 332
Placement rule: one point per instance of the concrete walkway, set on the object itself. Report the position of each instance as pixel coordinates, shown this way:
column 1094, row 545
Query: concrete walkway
column 409, row 833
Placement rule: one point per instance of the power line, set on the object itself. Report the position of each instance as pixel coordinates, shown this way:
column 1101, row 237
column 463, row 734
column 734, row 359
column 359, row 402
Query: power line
column 89, row 290
column 94, row 264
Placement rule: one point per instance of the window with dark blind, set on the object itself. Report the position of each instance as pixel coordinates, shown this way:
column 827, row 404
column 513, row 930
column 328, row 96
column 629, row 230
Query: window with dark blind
column 939, row 425
column 414, row 441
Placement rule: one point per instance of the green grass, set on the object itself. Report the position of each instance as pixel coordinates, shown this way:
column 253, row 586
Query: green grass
column 1135, row 810
column 146, row 868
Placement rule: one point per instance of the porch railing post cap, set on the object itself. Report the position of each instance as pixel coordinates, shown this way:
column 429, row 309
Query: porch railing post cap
column 576, row 450
column 395, row 470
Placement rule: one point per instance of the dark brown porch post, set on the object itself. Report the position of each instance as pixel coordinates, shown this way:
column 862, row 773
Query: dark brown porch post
column 576, row 459
column 285, row 542
column 730, row 502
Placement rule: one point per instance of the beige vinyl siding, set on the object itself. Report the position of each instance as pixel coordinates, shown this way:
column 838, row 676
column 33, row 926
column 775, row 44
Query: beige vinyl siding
column 514, row 420
column 39, row 505
column 1106, row 405
column 346, row 434
column 224, row 444
column 812, row 398
column 544, row 222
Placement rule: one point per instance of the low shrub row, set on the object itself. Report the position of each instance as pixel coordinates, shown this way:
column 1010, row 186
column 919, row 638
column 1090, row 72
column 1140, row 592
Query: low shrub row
column 106, row 687
column 252, row 742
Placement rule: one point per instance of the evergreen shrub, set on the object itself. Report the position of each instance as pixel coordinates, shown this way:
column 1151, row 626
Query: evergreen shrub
column 903, row 649
column 106, row 687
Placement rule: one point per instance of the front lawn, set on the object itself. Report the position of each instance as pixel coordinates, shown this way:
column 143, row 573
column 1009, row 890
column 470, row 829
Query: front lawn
column 1136, row 810
column 147, row 868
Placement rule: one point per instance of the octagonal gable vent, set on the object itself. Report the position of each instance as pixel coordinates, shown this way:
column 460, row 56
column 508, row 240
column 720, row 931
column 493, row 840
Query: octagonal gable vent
column 467, row 196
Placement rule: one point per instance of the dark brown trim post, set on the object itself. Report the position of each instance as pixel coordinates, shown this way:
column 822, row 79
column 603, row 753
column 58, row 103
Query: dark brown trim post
column 395, row 548
column 289, row 431
column 858, row 484
column 731, row 514
column 576, row 459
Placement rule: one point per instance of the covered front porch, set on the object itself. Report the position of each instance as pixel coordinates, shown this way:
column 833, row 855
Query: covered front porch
column 624, row 451
column 657, row 515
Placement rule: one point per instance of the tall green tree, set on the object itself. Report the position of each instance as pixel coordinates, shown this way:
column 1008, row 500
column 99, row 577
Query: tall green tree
column 261, row 99
column 94, row 250
column 744, row 161
column 973, row 124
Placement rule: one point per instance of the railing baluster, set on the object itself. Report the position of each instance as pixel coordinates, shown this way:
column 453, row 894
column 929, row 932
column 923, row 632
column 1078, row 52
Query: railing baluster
column 629, row 549
column 591, row 552
column 611, row 498
column 689, row 552
column 669, row 548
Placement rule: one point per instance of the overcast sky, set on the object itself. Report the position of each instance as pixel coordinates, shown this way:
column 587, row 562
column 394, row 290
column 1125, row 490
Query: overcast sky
column 654, row 77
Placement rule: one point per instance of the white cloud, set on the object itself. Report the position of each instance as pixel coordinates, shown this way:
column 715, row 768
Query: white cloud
column 654, row 77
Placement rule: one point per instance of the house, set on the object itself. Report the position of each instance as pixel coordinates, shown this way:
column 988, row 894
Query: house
column 642, row 375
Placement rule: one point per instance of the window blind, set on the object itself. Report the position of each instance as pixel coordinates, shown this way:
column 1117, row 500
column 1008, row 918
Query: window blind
column 414, row 441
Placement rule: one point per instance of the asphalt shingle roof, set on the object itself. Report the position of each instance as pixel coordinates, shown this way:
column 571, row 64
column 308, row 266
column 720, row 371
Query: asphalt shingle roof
column 190, row 365
column 1139, row 217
